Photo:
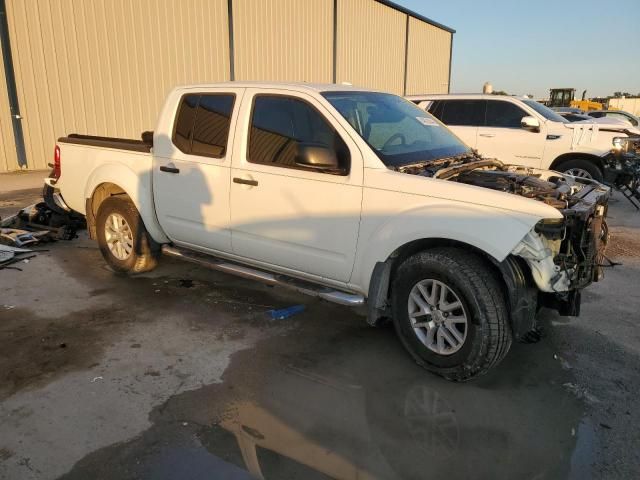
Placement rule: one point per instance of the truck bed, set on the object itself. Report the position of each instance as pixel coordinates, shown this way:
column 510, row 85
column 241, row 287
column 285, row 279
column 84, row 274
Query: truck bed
column 143, row 145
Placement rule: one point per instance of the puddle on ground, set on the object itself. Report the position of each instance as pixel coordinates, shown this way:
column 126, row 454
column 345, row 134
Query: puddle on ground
column 332, row 398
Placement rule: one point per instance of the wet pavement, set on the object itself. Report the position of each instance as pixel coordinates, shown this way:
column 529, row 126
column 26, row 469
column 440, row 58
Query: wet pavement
column 181, row 373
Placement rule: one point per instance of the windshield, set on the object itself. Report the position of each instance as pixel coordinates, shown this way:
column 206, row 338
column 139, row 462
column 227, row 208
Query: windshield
column 546, row 112
column 398, row 131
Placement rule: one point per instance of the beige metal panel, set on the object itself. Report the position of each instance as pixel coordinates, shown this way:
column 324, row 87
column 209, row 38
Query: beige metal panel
column 283, row 40
column 370, row 45
column 428, row 58
column 104, row 67
column 8, row 158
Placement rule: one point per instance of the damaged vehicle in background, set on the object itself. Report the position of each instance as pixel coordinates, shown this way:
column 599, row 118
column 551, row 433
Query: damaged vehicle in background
column 525, row 132
column 354, row 196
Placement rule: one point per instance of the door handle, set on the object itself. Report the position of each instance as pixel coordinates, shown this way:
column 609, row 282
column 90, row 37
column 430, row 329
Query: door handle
column 488, row 135
column 244, row 181
column 164, row 168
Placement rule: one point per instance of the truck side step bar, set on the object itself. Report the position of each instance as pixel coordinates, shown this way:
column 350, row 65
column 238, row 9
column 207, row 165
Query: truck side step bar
column 308, row 288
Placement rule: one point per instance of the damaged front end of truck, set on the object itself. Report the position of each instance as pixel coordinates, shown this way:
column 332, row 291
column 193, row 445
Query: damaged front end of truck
column 622, row 168
column 559, row 257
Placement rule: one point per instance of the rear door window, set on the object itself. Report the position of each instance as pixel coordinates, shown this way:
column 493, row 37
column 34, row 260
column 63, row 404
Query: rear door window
column 502, row 114
column 468, row 113
column 202, row 125
column 184, row 122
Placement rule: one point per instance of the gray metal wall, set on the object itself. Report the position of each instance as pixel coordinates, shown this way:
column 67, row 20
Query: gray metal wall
column 103, row 67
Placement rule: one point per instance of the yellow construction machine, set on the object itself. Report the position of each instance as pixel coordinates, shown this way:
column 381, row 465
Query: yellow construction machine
column 565, row 97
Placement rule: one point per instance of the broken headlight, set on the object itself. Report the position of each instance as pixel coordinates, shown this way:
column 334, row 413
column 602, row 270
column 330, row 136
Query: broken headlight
column 551, row 228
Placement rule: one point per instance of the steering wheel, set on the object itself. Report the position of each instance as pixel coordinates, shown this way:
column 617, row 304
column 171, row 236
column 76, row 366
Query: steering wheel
column 392, row 138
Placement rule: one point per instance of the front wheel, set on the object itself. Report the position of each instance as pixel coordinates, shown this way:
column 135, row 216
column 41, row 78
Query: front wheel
column 450, row 314
column 581, row 168
column 122, row 237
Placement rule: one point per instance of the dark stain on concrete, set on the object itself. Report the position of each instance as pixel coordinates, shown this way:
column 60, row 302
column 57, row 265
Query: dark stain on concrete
column 333, row 398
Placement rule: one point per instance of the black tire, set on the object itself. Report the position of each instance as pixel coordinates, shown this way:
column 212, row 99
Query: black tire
column 145, row 253
column 581, row 164
column 488, row 333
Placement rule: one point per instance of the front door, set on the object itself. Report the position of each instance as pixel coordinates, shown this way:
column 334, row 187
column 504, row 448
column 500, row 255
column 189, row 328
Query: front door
column 282, row 213
column 503, row 137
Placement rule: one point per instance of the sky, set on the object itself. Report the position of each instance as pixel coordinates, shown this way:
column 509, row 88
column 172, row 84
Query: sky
column 529, row 47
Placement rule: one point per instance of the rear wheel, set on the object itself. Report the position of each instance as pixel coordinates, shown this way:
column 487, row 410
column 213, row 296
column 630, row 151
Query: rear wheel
column 123, row 240
column 450, row 314
column 581, row 168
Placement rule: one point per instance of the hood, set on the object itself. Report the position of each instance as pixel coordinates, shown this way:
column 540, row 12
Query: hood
column 562, row 192
column 611, row 125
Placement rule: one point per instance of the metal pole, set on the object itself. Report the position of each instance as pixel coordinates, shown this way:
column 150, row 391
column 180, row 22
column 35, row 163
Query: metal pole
column 12, row 91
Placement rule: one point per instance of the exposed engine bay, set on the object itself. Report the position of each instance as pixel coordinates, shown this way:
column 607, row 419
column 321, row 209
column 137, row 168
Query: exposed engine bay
column 551, row 188
column 564, row 255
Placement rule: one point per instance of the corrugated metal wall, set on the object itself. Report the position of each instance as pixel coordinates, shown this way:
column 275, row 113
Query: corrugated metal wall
column 631, row 105
column 428, row 58
column 371, row 43
column 104, row 67
column 8, row 157
column 283, row 40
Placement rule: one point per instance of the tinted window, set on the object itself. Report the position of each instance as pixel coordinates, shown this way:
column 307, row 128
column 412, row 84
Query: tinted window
column 202, row 125
column 280, row 125
column 596, row 114
column 184, row 122
column 435, row 109
column 504, row 114
column 462, row 112
column 211, row 129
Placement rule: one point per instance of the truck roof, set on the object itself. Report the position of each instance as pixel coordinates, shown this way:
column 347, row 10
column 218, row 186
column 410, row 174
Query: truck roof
column 315, row 87
column 474, row 96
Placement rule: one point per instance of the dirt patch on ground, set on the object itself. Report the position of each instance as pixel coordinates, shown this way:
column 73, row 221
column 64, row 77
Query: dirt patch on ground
column 35, row 349
column 624, row 243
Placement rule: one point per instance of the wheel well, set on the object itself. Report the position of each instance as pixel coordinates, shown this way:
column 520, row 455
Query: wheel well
column 597, row 161
column 380, row 286
column 99, row 195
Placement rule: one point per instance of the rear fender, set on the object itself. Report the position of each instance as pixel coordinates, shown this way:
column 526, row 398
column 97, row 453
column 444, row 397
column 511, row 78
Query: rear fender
column 137, row 186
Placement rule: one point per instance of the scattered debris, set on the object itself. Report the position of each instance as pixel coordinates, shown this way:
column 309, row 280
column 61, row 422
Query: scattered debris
column 283, row 313
column 95, row 379
column 33, row 225
column 604, row 425
column 8, row 307
column 581, row 392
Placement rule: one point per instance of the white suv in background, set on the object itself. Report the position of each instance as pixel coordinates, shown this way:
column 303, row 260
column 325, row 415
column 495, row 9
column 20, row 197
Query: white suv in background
column 524, row 132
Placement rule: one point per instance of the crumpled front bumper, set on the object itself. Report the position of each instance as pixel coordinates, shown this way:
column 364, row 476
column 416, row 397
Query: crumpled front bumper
column 562, row 266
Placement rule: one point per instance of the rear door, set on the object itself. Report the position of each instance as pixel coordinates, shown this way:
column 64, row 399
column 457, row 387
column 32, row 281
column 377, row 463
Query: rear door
column 462, row 116
column 503, row 137
column 191, row 179
column 285, row 215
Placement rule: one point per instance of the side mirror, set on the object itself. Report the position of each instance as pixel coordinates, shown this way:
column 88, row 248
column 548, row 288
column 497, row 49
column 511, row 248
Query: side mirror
column 530, row 123
column 320, row 158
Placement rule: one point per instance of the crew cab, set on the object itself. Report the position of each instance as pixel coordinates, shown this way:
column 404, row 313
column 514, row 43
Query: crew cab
column 525, row 132
column 355, row 196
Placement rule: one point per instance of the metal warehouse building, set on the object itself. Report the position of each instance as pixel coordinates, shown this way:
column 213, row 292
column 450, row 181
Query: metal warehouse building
column 103, row 67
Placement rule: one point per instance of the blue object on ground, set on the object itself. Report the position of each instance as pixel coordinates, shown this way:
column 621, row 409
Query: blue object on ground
column 285, row 312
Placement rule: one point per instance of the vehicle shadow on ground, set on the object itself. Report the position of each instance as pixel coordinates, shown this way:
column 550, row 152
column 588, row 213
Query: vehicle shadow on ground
column 333, row 398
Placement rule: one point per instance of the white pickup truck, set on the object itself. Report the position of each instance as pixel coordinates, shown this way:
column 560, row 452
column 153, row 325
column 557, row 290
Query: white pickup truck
column 355, row 196
column 525, row 132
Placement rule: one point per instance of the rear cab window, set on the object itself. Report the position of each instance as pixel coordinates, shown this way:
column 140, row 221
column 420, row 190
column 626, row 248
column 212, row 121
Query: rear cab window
column 202, row 124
